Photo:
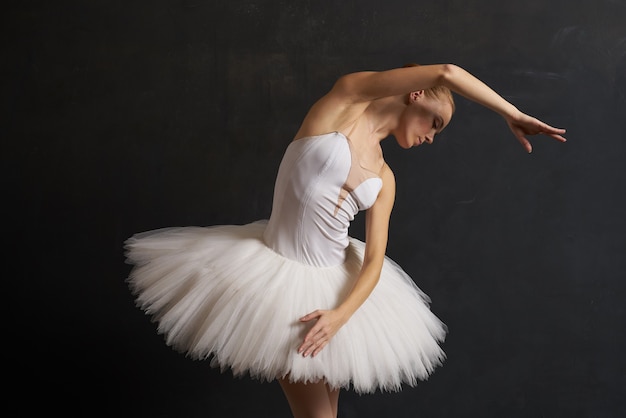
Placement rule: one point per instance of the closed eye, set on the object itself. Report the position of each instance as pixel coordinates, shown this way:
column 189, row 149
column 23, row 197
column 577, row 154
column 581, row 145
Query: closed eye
column 437, row 124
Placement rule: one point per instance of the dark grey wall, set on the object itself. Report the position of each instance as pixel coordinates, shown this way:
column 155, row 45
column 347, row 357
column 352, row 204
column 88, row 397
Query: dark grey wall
column 120, row 117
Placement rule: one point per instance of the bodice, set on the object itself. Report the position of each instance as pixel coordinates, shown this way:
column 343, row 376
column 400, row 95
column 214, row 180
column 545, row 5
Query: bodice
column 319, row 189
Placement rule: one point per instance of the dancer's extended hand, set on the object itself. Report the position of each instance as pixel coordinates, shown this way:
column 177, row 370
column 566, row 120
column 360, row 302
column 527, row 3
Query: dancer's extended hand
column 523, row 124
column 327, row 325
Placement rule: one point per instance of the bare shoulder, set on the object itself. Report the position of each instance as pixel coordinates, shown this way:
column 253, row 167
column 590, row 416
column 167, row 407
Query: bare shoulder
column 350, row 86
column 337, row 110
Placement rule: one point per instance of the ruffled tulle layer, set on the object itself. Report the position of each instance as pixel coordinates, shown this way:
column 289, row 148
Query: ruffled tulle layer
column 221, row 293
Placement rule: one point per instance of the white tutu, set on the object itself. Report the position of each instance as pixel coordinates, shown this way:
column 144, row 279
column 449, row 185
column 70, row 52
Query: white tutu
column 220, row 293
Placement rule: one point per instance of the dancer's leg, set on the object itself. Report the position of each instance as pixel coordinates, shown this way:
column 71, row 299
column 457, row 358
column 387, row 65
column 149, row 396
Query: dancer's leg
column 333, row 396
column 310, row 400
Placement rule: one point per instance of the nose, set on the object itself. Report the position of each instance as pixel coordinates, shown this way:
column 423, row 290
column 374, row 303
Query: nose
column 430, row 136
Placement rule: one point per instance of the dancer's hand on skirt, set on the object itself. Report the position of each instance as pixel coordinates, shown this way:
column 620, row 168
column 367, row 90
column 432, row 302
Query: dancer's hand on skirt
column 327, row 325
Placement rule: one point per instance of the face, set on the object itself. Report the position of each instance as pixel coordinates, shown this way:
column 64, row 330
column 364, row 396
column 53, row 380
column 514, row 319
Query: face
column 422, row 119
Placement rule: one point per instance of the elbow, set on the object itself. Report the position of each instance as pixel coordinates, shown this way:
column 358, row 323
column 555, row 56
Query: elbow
column 374, row 265
column 448, row 72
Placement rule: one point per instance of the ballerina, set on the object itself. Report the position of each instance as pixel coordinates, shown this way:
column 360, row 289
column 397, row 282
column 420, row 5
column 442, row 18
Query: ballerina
column 295, row 298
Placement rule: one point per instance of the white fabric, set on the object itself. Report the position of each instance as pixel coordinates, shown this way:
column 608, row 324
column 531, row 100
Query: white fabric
column 305, row 224
column 234, row 293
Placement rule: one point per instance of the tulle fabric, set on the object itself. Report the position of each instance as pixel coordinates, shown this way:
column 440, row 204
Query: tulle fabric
column 220, row 293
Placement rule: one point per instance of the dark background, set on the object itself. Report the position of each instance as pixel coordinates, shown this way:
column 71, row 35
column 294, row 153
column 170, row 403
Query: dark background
column 119, row 117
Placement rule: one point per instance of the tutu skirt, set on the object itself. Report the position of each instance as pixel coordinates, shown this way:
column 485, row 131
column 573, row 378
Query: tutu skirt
column 221, row 293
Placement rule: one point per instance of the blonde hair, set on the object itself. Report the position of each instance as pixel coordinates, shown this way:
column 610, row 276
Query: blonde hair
column 436, row 92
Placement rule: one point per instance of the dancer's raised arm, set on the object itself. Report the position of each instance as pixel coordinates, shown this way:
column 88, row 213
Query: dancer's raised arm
column 370, row 85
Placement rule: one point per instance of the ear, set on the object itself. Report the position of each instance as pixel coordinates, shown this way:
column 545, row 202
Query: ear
column 415, row 95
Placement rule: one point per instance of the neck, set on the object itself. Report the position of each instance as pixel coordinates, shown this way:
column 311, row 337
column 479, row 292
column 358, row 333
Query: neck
column 384, row 115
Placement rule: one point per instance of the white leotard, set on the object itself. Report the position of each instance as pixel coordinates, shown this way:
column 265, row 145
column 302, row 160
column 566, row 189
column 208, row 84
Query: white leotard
column 319, row 189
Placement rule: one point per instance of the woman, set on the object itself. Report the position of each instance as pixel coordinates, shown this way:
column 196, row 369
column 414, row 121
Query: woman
column 295, row 298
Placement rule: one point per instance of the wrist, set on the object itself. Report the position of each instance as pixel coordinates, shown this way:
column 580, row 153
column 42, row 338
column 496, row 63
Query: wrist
column 511, row 113
column 344, row 313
